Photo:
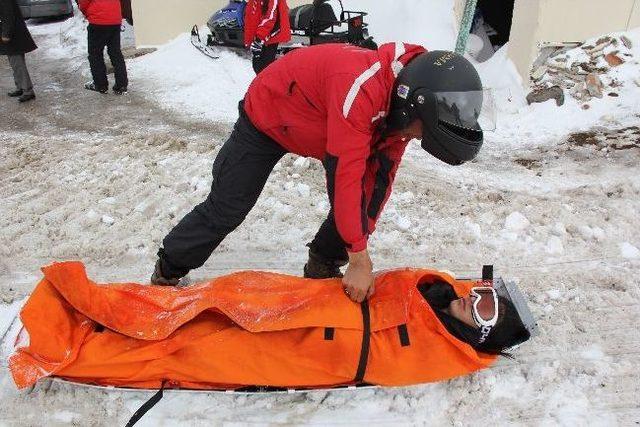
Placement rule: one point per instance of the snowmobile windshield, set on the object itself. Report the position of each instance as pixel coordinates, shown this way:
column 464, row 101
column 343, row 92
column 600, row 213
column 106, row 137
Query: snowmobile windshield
column 467, row 109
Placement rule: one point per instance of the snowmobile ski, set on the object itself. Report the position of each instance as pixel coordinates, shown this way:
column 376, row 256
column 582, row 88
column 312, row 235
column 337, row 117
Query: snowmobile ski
column 200, row 45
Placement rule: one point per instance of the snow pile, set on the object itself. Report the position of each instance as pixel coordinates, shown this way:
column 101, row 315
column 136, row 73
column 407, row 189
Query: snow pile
column 430, row 23
column 70, row 39
column 183, row 79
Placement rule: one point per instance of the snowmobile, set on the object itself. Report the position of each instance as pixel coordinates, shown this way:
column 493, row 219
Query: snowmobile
column 311, row 24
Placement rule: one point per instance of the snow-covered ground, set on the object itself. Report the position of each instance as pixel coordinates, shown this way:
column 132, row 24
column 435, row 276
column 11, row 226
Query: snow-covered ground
column 102, row 179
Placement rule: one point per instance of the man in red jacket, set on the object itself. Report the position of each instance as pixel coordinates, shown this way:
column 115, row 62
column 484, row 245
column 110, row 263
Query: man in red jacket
column 105, row 19
column 355, row 110
column 266, row 23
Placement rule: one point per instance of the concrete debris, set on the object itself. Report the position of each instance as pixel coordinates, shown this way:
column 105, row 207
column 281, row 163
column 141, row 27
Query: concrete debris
column 545, row 94
column 539, row 73
column 580, row 69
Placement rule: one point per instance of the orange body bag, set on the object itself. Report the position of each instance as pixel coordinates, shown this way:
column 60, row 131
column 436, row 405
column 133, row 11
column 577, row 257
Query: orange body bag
column 246, row 328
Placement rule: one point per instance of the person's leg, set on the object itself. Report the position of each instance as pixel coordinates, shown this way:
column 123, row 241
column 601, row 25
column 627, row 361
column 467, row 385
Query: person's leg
column 97, row 39
column 239, row 173
column 327, row 251
column 117, row 60
column 21, row 75
column 13, row 63
column 266, row 57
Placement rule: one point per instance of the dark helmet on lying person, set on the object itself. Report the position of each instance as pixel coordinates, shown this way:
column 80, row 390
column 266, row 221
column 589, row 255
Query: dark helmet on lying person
column 443, row 90
column 498, row 320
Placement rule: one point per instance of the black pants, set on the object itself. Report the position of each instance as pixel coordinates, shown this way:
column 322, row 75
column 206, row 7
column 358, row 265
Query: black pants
column 100, row 36
column 267, row 56
column 239, row 173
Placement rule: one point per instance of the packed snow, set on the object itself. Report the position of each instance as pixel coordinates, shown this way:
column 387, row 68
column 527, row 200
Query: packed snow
column 552, row 201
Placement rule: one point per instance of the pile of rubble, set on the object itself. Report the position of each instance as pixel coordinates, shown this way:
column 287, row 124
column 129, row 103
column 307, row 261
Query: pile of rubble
column 579, row 69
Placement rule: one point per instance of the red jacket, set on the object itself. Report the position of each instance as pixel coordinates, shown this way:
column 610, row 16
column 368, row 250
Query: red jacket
column 328, row 102
column 101, row 12
column 267, row 20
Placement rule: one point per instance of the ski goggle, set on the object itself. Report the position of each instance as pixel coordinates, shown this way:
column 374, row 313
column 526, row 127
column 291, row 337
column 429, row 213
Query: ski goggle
column 484, row 309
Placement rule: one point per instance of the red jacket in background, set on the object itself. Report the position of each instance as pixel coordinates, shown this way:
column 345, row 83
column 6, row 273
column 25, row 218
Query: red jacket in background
column 101, row 12
column 267, row 20
column 328, row 102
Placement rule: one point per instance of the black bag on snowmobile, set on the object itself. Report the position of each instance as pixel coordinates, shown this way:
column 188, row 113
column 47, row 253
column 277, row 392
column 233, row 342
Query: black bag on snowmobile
column 320, row 15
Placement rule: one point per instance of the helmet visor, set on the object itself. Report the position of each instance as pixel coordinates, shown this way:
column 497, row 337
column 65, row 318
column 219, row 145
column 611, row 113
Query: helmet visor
column 474, row 110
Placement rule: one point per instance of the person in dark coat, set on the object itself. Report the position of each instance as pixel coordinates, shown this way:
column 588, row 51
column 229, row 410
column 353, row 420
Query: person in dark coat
column 15, row 42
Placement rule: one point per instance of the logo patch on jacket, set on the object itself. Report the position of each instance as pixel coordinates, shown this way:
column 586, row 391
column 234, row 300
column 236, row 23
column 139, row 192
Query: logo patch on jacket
column 403, row 91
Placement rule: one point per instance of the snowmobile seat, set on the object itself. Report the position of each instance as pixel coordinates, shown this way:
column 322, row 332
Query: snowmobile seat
column 319, row 15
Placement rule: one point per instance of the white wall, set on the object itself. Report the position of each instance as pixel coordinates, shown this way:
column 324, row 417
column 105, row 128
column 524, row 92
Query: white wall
column 158, row 21
column 577, row 20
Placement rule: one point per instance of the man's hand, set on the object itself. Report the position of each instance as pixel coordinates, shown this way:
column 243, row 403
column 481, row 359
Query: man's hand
column 256, row 47
column 6, row 39
column 358, row 279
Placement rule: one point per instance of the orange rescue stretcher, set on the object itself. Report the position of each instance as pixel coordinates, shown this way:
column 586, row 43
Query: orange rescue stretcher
column 244, row 329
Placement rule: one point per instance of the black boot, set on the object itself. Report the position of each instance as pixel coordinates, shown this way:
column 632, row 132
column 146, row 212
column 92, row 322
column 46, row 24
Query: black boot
column 27, row 97
column 319, row 267
column 92, row 86
column 15, row 93
column 120, row 90
column 158, row 279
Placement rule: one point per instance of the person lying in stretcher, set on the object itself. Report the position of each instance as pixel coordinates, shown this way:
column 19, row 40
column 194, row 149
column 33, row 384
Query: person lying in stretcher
column 266, row 329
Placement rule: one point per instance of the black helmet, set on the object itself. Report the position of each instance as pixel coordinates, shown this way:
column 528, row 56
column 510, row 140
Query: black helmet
column 508, row 332
column 444, row 91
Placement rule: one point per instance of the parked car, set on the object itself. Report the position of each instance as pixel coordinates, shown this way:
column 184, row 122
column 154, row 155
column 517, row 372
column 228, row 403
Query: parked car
column 45, row 8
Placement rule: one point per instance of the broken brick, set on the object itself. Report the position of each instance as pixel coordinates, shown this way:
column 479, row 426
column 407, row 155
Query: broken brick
column 594, row 85
column 613, row 60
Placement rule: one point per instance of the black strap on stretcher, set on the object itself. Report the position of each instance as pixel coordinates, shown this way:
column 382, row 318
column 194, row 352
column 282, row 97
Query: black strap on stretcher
column 403, row 334
column 487, row 273
column 362, row 364
column 366, row 337
column 147, row 405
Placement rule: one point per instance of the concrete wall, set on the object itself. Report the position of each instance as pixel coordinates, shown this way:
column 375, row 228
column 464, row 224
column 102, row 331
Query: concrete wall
column 523, row 41
column 158, row 21
column 634, row 19
column 577, row 20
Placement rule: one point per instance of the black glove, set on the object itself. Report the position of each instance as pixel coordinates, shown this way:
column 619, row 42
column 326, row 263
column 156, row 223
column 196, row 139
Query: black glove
column 256, row 47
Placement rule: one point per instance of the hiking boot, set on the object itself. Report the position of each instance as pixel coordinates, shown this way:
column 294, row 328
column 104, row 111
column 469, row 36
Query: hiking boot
column 92, row 86
column 319, row 267
column 119, row 90
column 158, row 279
column 27, row 97
column 15, row 93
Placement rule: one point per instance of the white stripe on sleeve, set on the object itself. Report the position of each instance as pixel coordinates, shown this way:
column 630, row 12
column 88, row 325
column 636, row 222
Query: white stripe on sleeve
column 355, row 88
column 273, row 11
column 396, row 65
